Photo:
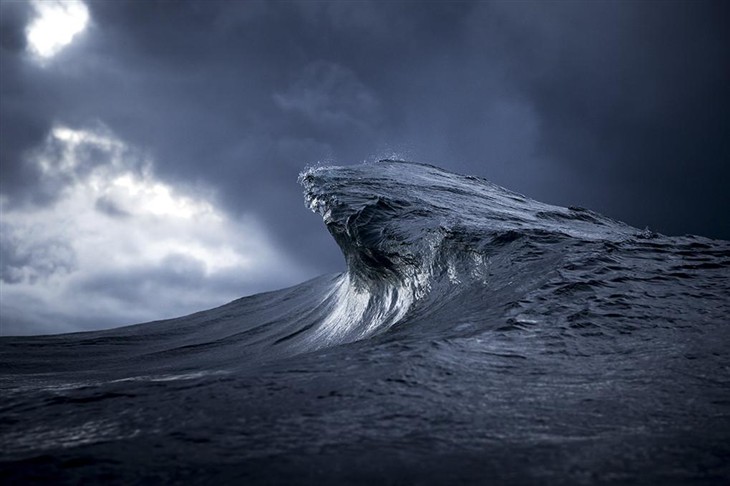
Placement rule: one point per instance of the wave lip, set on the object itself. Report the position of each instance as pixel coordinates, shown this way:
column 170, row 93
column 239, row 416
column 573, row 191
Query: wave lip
column 390, row 214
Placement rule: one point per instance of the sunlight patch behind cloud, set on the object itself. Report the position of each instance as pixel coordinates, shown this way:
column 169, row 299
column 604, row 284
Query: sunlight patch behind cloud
column 55, row 25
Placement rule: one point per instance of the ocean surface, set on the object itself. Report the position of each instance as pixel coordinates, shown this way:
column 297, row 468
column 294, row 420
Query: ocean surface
column 477, row 337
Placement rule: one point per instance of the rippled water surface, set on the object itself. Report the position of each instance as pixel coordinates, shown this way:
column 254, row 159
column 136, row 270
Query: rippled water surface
column 478, row 336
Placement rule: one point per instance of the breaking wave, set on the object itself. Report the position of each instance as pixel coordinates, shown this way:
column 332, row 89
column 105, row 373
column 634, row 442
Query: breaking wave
column 414, row 235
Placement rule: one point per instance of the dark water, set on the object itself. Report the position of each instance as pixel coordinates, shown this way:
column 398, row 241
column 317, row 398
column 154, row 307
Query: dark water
column 477, row 337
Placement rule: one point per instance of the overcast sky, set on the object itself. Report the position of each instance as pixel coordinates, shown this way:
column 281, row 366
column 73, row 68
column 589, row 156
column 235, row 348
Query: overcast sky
column 149, row 150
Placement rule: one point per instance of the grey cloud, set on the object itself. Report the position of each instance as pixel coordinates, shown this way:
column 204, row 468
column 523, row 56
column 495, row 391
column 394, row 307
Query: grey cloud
column 23, row 261
column 14, row 17
column 106, row 205
column 178, row 285
column 329, row 94
column 138, row 285
column 26, row 314
column 52, row 172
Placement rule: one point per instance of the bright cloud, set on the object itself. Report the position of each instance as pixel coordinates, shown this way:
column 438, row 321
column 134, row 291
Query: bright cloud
column 56, row 23
column 121, row 246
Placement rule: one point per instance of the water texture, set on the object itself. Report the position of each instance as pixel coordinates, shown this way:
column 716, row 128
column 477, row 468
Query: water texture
column 477, row 336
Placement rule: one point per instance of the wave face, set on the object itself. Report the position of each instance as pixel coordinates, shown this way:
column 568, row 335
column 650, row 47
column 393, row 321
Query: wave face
column 475, row 334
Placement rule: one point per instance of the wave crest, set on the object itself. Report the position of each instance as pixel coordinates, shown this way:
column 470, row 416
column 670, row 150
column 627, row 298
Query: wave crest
column 410, row 231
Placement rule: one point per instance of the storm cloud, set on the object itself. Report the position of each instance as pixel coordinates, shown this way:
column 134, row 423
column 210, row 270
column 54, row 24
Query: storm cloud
column 621, row 107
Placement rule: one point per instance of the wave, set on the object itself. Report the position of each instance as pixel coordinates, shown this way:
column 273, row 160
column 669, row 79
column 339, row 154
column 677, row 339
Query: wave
column 427, row 251
column 475, row 333
column 414, row 235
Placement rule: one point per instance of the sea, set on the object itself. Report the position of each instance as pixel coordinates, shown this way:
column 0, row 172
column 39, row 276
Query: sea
column 477, row 336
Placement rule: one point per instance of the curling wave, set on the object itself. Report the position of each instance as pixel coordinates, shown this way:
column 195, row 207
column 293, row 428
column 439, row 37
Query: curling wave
column 414, row 235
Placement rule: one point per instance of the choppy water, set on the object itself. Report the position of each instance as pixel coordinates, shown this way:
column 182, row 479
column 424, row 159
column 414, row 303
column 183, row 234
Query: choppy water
column 478, row 336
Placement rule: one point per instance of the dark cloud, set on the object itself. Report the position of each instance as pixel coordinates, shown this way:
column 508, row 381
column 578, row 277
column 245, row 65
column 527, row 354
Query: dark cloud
column 330, row 96
column 621, row 107
column 23, row 123
column 635, row 96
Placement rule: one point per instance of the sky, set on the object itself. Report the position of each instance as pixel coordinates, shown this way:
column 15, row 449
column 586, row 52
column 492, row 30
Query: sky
column 149, row 150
